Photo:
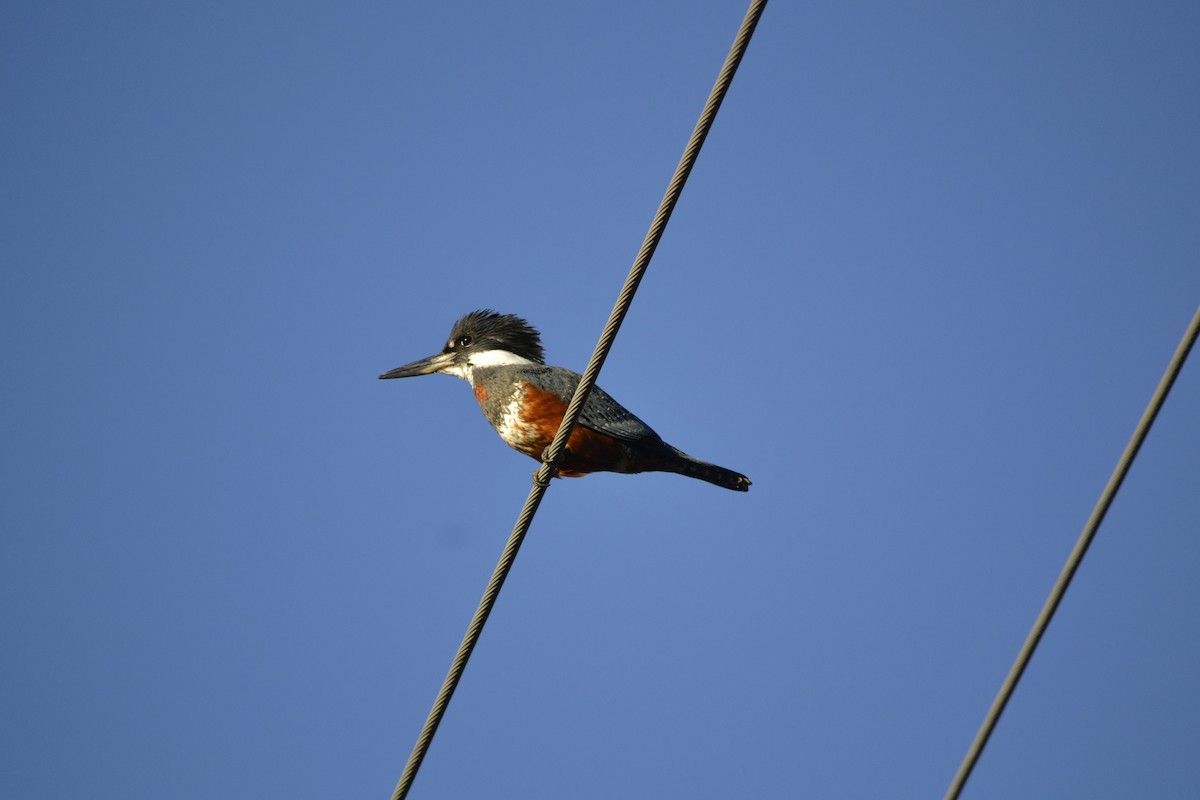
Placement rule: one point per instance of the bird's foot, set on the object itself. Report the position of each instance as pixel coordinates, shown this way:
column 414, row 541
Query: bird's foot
column 539, row 480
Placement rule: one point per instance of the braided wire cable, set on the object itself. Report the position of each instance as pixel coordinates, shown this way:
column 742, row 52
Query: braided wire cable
column 557, row 448
column 1075, row 559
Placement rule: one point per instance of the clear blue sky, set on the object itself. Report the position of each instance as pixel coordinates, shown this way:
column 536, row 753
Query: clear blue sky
column 930, row 266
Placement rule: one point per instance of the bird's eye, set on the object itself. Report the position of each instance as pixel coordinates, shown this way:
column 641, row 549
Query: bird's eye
column 464, row 341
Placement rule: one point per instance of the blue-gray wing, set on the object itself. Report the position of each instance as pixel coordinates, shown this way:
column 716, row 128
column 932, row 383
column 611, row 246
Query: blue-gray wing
column 600, row 413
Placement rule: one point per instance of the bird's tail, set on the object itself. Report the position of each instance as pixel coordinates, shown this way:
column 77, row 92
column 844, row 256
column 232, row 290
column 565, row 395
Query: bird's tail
column 719, row 476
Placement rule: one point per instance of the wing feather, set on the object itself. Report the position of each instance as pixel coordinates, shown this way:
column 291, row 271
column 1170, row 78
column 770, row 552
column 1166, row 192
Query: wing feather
column 601, row 413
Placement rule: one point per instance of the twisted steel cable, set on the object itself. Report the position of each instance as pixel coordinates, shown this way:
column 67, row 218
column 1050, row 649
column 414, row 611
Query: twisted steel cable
column 555, row 452
column 1075, row 559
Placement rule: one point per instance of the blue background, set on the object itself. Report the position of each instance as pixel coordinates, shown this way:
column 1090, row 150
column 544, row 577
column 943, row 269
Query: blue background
column 930, row 266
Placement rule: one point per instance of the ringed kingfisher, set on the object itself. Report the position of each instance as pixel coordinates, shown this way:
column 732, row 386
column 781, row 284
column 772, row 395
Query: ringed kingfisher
column 500, row 355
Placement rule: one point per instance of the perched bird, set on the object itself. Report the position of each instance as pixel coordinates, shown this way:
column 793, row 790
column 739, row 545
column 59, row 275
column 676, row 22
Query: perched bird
column 501, row 357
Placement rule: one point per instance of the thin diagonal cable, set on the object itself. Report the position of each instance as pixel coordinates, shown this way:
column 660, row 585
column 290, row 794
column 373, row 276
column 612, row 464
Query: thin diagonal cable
column 1076, row 557
column 555, row 452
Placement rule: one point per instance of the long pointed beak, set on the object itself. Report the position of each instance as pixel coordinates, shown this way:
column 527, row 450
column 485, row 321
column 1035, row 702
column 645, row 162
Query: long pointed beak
column 423, row 367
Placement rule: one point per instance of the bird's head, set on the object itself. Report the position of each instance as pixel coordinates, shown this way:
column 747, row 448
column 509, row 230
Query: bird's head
column 480, row 339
